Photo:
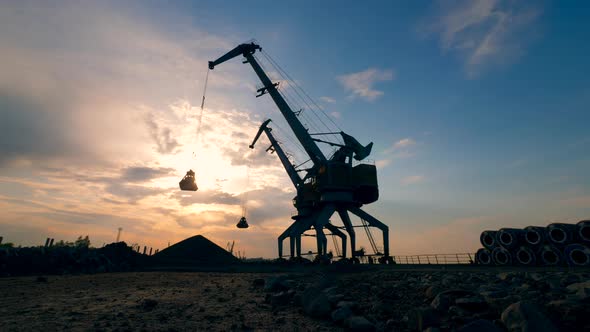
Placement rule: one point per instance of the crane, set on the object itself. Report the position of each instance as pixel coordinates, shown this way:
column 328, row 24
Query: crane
column 304, row 199
column 330, row 185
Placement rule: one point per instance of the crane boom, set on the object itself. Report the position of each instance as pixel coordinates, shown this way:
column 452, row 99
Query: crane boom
column 291, row 171
column 247, row 50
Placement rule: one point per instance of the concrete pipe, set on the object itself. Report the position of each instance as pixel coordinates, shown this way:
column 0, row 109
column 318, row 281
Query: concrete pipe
column 534, row 236
column 577, row 255
column 525, row 256
column 488, row 239
column 584, row 231
column 501, row 256
column 483, row 257
column 561, row 234
column 550, row 255
column 510, row 237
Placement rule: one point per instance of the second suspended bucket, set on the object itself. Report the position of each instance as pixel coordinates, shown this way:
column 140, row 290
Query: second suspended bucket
column 242, row 223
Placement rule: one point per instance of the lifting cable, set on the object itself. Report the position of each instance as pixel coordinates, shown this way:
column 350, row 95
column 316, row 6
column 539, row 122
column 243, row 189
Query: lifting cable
column 202, row 104
column 188, row 182
column 298, row 87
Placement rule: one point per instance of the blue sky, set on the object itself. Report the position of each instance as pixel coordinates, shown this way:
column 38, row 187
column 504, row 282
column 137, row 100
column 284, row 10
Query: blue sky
column 478, row 111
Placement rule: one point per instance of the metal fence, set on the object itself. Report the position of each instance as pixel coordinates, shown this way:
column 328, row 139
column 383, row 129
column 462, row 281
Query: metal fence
column 463, row 258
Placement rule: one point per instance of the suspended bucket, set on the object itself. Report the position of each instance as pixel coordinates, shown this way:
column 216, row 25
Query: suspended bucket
column 188, row 182
column 242, row 223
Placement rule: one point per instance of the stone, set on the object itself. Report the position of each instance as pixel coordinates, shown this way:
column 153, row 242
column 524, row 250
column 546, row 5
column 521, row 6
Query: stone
column 258, row 282
column 534, row 276
column 494, row 294
column 276, row 284
column 480, row 325
column 383, row 309
column 315, row 303
column 360, row 324
column 442, row 301
column 504, row 276
column 282, row 298
column 432, row 291
column 390, row 324
column 581, row 289
column 422, row 318
column 432, row 329
column 335, row 298
column 472, row 303
column 526, row 317
column 148, row 304
column 569, row 279
column 341, row 314
column 352, row 305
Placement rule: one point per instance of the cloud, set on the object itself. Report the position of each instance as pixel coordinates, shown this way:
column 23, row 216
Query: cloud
column 413, row 179
column 143, row 173
column 361, row 84
column 133, row 193
column 404, row 143
column 382, row 163
column 328, row 100
column 165, row 143
column 205, row 197
column 401, row 148
column 483, row 32
column 336, row 115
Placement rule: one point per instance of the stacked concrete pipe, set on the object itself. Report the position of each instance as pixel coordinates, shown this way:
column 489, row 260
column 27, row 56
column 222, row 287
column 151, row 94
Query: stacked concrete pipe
column 557, row 244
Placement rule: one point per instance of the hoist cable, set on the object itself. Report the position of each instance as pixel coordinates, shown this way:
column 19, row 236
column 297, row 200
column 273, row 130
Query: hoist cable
column 280, row 69
column 287, row 90
column 202, row 105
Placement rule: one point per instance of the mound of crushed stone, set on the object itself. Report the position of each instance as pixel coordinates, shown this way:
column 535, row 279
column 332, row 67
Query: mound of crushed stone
column 197, row 250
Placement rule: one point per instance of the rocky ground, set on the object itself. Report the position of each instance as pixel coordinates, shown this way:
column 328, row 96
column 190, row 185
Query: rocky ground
column 314, row 299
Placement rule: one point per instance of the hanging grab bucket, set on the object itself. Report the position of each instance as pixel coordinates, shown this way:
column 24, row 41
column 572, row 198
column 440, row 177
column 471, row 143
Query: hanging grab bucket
column 188, row 182
column 242, row 223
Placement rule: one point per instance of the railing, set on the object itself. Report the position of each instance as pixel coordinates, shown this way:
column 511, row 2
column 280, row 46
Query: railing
column 463, row 258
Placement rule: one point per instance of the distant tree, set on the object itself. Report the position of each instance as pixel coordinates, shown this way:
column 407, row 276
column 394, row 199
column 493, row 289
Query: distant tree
column 7, row 245
column 62, row 243
column 82, row 242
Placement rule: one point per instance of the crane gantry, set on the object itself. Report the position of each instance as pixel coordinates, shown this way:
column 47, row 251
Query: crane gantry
column 330, row 185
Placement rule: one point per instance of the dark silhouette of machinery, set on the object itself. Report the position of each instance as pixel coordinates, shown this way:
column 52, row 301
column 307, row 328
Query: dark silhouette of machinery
column 188, row 182
column 330, row 185
column 242, row 223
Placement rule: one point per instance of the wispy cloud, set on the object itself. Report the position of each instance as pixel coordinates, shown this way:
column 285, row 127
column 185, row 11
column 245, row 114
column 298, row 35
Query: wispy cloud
column 413, row 179
column 404, row 143
column 328, row 100
column 401, row 147
column 336, row 115
column 361, row 84
column 382, row 163
column 484, row 32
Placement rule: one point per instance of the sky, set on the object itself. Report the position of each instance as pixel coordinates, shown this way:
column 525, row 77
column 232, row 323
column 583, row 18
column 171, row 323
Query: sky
column 478, row 111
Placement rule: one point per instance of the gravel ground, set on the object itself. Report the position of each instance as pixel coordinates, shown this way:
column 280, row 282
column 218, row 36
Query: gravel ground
column 315, row 299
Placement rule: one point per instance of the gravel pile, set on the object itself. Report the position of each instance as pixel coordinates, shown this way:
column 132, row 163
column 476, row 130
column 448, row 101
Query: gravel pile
column 438, row 301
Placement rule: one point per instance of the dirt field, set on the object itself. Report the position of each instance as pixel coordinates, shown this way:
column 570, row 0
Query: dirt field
column 391, row 299
column 149, row 301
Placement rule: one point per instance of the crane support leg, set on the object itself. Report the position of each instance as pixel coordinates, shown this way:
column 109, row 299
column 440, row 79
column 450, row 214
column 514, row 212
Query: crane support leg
column 318, row 220
column 282, row 237
column 320, row 239
column 375, row 223
column 292, row 246
column 349, row 229
column 338, row 233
